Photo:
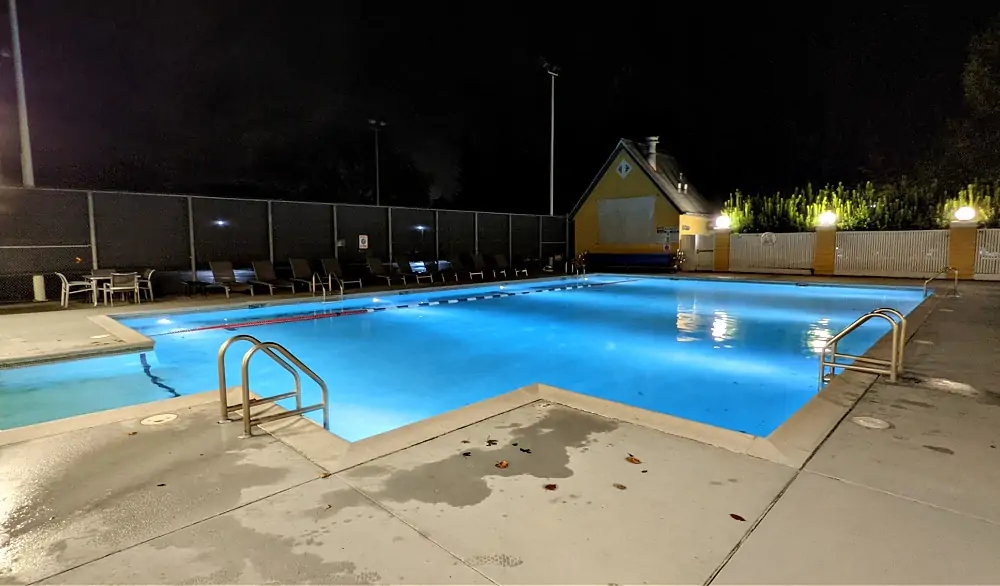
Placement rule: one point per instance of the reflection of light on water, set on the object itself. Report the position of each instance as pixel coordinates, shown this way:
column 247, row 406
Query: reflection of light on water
column 722, row 327
column 818, row 335
column 687, row 322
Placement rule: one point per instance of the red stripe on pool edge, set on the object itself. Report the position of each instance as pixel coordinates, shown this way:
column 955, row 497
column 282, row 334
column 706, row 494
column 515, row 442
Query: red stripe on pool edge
column 267, row 322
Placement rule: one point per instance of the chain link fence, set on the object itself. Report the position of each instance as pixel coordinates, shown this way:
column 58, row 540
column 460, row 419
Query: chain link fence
column 44, row 231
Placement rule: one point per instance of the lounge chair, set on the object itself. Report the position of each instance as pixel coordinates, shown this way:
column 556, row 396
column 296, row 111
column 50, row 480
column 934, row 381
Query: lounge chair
column 433, row 269
column 335, row 275
column 263, row 272
column 479, row 265
column 224, row 277
column 72, row 288
column 502, row 266
column 406, row 270
column 377, row 269
column 458, row 267
column 302, row 273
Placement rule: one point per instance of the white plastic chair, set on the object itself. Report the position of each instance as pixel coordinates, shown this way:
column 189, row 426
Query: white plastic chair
column 146, row 283
column 72, row 288
column 122, row 283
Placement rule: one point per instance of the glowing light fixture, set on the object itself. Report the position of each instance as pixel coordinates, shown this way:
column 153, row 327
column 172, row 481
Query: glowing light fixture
column 221, row 223
column 965, row 214
column 827, row 219
column 723, row 222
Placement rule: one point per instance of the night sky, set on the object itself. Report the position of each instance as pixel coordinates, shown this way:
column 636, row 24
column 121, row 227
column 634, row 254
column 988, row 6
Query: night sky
column 193, row 96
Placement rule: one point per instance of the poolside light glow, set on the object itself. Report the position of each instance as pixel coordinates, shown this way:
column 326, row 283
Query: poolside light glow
column 965, row 214
column 420, row 228
column 163, row 321
column 827, row 218
column 221, row 223
column 723, row 222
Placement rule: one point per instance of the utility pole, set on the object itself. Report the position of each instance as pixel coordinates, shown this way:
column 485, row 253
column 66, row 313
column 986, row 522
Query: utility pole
column 27, row 167
column 553, row 74
column 377, row 125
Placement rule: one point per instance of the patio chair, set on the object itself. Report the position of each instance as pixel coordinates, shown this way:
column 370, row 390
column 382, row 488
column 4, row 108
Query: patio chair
column 434, row 269
column 121, row 283
column 146, row 283
column 458, row 266
column 479, row 265
column 335, row 275
column 263, row 272
column 405, row 269
column 72, row 288
column 502, row 266
column 302, row 273
column 377, row 268
column 224, row 277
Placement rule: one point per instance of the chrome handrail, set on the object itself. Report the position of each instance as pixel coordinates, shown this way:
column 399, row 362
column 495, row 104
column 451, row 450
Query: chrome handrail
column 224, row 407
column 943, row 271
column 894, row 364
column 248, row 422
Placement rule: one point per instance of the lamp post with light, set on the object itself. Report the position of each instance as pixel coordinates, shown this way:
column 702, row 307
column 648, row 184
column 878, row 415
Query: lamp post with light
column 377, row 125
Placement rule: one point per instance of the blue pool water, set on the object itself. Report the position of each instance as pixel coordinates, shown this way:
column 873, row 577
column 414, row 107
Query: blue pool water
column 737, row 355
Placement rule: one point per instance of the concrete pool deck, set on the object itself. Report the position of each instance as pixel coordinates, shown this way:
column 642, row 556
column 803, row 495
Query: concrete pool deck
column 104, row 499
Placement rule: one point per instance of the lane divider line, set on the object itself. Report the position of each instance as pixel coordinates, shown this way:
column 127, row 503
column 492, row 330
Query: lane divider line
column 359, row 311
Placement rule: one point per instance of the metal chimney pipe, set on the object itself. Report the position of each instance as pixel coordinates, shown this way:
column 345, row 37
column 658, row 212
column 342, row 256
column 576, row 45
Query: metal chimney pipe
column 651, row 142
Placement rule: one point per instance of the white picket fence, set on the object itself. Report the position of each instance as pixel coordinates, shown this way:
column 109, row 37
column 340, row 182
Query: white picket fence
column 771, row 252
column 988, row 255
column 911, row 253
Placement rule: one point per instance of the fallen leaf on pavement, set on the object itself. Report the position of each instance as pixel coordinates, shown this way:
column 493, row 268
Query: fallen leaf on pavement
column 551, row 486
column 633, row 460
column 502, row 464
column 514, row 444
column 133, row 432
column 619, row 486
column 737, row 517
column 491, row 442
column 465, row 441
column 325, row 475
column 466, row 454
column 526, row 450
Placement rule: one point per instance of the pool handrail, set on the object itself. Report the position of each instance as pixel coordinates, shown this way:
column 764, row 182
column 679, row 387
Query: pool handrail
column 224, row 407
column 943, row 271
column 269, row 348
column 894, row 364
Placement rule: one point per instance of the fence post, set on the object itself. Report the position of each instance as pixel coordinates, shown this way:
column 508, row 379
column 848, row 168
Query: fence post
column 963, row 247
column 388, row 215
column 475, row 229
column 270, row 232
column 437, row 237
column 510, row 237
column 825, row 251
column 93, row 230
column 336, row 234
column 566, row 238
column 541, row 243
column 720, row 262
column 194, row 264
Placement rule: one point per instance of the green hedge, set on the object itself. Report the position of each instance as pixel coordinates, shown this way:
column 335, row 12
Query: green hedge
column 896, row 206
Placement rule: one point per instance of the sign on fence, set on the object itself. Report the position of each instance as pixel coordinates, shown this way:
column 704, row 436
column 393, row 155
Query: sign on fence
column 362, row 242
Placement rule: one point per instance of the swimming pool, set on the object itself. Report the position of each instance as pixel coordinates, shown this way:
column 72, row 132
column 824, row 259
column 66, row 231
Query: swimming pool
column 738, row 355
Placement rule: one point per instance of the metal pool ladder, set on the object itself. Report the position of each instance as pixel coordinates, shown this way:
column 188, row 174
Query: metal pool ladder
column 286, row 360
column 944, row 271
column 892, row 367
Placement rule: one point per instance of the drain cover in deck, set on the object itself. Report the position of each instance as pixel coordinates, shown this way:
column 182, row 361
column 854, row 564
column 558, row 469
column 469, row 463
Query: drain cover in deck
column 159, row 419
column 871, row 422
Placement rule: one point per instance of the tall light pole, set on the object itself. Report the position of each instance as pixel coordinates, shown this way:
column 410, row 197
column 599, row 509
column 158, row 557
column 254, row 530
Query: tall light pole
column 27, row 167
column 377, row 125
column 553, row 74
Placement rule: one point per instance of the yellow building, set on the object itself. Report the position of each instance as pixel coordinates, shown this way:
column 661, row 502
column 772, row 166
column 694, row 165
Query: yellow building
column 639, row 204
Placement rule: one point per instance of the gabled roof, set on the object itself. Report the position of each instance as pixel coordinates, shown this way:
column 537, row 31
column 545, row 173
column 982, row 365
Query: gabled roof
column 666, row 177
